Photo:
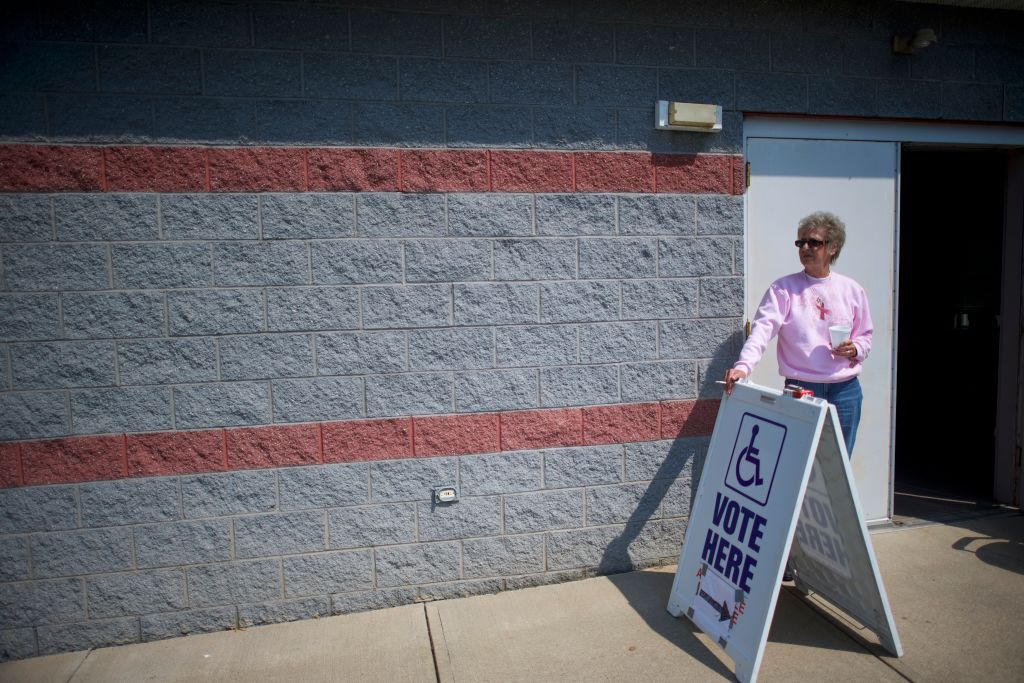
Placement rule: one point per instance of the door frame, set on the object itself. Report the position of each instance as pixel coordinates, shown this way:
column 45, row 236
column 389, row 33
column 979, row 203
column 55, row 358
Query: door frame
column 1007, row 485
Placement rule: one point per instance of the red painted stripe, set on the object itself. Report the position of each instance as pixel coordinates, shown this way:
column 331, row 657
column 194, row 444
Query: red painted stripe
column 96, row 458
column 153, row 168
column 739, row 175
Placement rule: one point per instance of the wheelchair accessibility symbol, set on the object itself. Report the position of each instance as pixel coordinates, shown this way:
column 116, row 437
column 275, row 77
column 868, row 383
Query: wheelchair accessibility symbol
column 755, row 457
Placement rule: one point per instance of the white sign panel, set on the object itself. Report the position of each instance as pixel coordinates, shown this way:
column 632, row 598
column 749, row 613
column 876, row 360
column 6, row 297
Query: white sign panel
column 775, row 478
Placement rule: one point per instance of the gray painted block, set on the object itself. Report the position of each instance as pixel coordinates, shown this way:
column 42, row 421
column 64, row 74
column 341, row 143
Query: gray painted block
column 487, row 37
column 165, row 361
column 95, row 217
column 357, row 261
column 624, row 503
column 323, row 486
column 701, row 338
column 114, row 503
column 719, row 215
column 809, row 54
column 514, row 583
column 405, row 33
column 490, row 215
column 327, row 573
column 542, row 511
column 535, row 259
column 179, row 543
column 536, row 345
column 33, row 415
column 229, row 493
column 579, row 301
column 564, row 128
column 222, row 405
column 41, row 602
column 280, row 533
column 122, row 118
column 843, row 96
column 999, row 65
column 176, row 624
column 618, row 342
column 62, row 364
column 611, row 86
column 459, row 589
column 121, row 314
column 658, row 299
column 688, row 257
column 698, row 85
column 413, row 564
column 52, row 266
column 209, row 216
column 496, row 390
column 603, row 548
column 709, row 372
column 401, row 480
column 38, row 508
column 360, row 353
column 656, row 215
column 470, row 516
column 215, row 311
column 489, row 126
column 25, row 218
column 576, row 214
column 252, row 73
column 722, row 296
column 178, row 22
column 676, row 502
column 654, row 45
column 235, row 582
column 972, row 101
column 104, row 411
column 585, row 466
column 48, row 67
column 353, row 77
column 910, row 99
column 361, row 602
column 14, row 559
column 403, row 125
column 495, row 304
column 86, row 636
column 579, row 386
column 400, row 215
column 659, row 381
column 421, row 393
column 312, row 308
column 279, row 611
column 206, row 119
column 313, row 214
column 531, row 83
column 372, row 525
column 157, row 266
column 501, row 473
column 451, row 349
column 1013, row 103
column 408, row 306
column 118, row 595
column 435, row 80
column 503, row 556
column 263, row 263
column 17, row 643
column 23, row 116
column 733, row 50
column 447, row 260
column 69, row 553
column 771, row 92
column 298, row 122
column 149, row 69
column 664, row 459
column 618, row 258
column 572, row 41
column 313, row 400
column 29, row 316
column 266, row 355
column 315, row 28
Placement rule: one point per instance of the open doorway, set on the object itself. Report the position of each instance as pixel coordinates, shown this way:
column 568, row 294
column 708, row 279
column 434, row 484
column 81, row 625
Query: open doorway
column 950, row 282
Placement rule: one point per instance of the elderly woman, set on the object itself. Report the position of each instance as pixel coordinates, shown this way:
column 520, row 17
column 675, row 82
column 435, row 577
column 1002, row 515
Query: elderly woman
column 800, row 308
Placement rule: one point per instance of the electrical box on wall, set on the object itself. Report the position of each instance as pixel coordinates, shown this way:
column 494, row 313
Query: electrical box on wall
column 700, row 118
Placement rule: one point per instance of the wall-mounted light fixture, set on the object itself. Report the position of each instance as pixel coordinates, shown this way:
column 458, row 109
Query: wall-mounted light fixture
column 700, row 118
column 907, row 45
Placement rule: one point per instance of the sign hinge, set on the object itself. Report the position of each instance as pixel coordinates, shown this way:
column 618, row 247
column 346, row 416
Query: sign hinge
column 748, row 174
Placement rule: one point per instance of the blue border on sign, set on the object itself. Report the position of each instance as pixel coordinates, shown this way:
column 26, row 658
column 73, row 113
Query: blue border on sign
column 785, row 432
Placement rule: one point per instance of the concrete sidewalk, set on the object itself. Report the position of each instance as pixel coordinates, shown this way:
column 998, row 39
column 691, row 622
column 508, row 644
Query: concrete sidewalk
column 956, row 589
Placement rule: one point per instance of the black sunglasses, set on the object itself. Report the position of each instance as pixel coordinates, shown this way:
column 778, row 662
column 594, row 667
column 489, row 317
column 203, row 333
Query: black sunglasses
column 813, row 244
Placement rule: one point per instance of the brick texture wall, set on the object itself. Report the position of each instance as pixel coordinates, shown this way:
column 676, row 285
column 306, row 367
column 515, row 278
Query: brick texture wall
column 270, row 271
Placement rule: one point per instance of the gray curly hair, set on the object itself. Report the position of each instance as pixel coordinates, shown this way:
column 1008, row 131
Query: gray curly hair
column 835, row 229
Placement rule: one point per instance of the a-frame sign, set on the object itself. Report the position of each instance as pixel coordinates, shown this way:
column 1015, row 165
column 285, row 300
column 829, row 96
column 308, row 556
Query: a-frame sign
column 776, row 486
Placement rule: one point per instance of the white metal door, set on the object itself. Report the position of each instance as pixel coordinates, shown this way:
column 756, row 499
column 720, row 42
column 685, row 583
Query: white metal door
column 790, row 178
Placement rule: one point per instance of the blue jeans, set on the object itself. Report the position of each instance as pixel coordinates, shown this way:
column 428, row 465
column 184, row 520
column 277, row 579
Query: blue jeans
column 846, row 397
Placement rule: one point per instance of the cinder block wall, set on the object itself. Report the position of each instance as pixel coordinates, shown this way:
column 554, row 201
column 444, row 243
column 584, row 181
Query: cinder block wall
column 270, row 271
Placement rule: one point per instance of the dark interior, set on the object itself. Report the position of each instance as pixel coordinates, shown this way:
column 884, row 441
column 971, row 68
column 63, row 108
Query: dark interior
column 951, row 218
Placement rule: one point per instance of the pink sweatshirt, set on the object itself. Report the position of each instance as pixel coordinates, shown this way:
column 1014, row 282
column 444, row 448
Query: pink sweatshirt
column 799, row 309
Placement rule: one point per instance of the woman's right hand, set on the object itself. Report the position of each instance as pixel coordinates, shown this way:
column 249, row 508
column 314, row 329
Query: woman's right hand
column 732, row 375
